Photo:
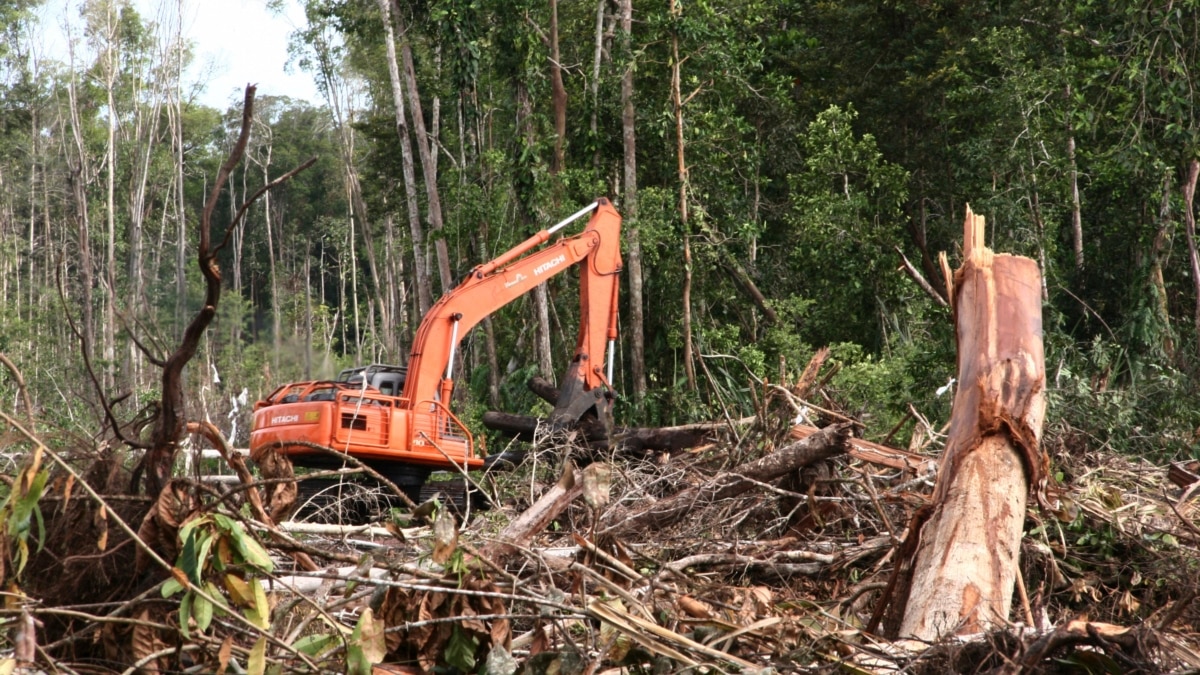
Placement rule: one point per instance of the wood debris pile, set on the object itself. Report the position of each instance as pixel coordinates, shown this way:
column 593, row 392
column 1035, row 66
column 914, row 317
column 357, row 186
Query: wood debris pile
column 769, row 547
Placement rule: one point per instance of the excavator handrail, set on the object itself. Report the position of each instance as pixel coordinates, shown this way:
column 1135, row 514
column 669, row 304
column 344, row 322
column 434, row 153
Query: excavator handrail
column 471, row 452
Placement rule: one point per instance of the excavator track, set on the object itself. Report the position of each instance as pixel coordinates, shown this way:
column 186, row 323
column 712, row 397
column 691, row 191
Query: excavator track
column 363, row 501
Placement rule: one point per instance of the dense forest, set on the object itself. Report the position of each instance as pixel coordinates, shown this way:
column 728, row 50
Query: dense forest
column 779, row 165
column 788, row 174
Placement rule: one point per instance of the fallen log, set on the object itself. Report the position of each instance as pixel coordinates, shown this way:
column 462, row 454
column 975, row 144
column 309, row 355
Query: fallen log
column 625, row 440
column 874, row 453
column 826, row 443
column 520, row 532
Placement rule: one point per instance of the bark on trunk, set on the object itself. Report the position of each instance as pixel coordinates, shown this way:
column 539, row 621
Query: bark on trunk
column 689, row 366
column 967, row 552
column 1189, row 219
column 428, row 165
column 420, row 262
column 637, row 331
column 1076, row 209
column 521, row 531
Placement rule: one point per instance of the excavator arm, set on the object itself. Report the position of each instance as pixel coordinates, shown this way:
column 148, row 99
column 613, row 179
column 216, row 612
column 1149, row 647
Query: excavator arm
column 492, row 285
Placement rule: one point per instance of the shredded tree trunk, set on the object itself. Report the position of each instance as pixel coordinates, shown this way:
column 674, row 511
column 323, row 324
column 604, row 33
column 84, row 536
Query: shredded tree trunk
column 967, row 553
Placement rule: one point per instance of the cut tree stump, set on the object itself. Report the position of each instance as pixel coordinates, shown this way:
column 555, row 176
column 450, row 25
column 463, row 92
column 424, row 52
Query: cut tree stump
column 967, row 553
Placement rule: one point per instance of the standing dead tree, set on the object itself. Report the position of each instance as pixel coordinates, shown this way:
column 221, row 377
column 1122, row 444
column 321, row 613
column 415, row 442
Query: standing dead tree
column 963, row 549
column 170, row 425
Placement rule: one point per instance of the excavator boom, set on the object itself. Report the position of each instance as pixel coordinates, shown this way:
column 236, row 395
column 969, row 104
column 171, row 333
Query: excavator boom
column 495, row 284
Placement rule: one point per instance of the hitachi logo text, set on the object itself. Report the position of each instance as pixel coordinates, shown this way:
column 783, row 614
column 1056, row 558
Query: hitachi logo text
column 549, row 265
column 285, row 419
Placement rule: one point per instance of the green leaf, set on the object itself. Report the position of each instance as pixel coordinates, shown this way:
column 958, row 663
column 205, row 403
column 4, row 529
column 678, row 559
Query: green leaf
column 257, row 663
column 189, row 560
column 202, row 608
column 185, row 613
column 460, row 650
column 260, row 613
column 171, row 587
column 317, row 643
column 251, row 551
column 356, row 661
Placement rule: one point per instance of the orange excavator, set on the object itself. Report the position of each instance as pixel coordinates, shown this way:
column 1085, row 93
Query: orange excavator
column 397, row 419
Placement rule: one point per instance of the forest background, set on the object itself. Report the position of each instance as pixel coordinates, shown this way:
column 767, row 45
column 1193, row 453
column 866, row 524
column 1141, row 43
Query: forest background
column 778, row 165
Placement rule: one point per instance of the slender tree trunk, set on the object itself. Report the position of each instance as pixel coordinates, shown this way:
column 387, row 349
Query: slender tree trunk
column 110, row 259
column 968, row 548
column 637, row 330
column 689, row 366
column 80, row 173
column 180, row 202
column 274, row 255
column 1035, row 211
column 428, row 170
column 1158, row 250
column 597, row 56
column 558, row 93
column 1076, row 209
column 417, row 231
column 1189, row 215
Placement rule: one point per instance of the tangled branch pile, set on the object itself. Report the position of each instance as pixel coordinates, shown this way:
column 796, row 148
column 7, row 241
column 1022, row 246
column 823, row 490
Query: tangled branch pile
column 754, row 551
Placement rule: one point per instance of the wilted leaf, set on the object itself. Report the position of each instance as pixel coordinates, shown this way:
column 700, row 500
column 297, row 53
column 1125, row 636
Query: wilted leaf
column 223, row 654
column 445, row 536
column 102, row 525
column 239, row 591
column 145, row 640
column 597, row 481
column 1128, row 604
column 368, row 634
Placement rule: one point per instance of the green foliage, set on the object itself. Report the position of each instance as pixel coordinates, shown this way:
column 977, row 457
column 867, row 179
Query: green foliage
column 21, row 521
column 846, row 214
column 214, row 548
column 818, row 139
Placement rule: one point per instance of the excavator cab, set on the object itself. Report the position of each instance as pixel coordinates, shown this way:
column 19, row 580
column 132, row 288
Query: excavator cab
column 388, row 379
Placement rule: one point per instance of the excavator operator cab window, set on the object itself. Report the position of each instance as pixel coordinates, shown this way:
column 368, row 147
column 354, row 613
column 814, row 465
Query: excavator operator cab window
column 389, row 384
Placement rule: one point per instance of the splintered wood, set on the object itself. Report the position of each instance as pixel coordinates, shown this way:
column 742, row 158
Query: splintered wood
column 967, row 554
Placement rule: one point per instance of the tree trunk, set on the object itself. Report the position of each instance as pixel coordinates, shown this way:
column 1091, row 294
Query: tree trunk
column 433, row 207
column 558, row 94
column 637, row 322
column 967, row 551
column 1159, row 250
column 1189, row 219
column 79, row 179
column 417, row 231
column 689, row 366
column 1076, row 209
column 108, row 330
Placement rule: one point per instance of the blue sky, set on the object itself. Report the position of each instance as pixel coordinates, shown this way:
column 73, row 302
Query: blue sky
column 235, row 42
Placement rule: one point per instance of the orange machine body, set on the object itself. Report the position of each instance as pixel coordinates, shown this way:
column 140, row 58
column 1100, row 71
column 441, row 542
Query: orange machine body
column 415, row 426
